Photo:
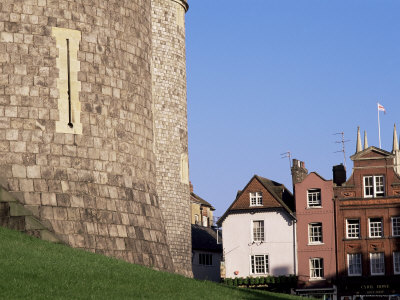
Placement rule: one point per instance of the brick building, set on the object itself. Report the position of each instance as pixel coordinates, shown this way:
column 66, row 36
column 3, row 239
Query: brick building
column 367, row 208
column 315, row 231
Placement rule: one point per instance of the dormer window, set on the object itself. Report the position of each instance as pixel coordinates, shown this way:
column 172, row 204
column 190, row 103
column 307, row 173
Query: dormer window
column 256, row 199
column 314, row 198
column 374, row 186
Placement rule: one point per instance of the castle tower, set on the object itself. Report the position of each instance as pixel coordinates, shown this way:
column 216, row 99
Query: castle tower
column 170, row 126
column 76, row 123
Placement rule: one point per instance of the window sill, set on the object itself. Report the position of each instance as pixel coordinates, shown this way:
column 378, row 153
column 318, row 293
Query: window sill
column 375, row 238
column 313, row 207
column 354, row 275
column 383, row 274
column 315, row 244
column 316, row 279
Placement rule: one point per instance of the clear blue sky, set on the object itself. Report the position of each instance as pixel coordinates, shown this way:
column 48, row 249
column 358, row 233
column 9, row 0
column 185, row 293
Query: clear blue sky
column 265, row 77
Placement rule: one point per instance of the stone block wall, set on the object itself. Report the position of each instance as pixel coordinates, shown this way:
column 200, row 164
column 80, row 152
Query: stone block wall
column 96, row 189
column 170, row 126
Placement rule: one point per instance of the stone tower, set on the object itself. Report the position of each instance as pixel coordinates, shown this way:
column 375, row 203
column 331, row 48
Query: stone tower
column 78, row 147
column 170, row 126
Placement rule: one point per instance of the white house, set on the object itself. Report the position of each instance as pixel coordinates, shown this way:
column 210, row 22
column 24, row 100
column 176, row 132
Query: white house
column 258, row 231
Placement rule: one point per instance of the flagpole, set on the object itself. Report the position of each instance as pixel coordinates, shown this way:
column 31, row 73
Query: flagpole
column 379, row 127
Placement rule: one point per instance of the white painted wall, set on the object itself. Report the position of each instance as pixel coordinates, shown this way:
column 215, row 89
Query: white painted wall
column 238, row 247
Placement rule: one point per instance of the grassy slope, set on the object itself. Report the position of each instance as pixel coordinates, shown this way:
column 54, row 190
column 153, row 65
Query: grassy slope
column 31, row 268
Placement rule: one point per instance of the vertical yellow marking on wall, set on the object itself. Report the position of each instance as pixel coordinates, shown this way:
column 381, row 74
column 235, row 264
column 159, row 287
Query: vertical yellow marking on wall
column 74, row 37
column 184, row 168
column 180, row 15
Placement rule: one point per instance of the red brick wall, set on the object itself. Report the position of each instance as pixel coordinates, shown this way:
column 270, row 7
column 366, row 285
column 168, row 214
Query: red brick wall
column 323, row 215
column 351, row 204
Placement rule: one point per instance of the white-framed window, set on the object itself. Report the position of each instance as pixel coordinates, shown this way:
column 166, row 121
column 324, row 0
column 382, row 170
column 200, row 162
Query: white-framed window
column 316, row 268
column 256, row 199
column 374, row 186
column 377, row 263
column 354, row 266
column 353, row 228
column 259, row 264
column 205, row 221
column 205, row 259
column 314, row 198
column 396, row 262
column 258, row 231
column 395, row 226
column 375, row 227
column 315, row 233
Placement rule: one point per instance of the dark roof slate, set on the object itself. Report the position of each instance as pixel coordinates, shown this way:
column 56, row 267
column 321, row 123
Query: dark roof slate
column 205, row 238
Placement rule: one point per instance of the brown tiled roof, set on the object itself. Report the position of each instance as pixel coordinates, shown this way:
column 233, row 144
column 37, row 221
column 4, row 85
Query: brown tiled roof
column 275, row 195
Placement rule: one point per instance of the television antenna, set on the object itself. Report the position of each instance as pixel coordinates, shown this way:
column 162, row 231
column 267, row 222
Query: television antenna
column 287, row 154
column 342, row 141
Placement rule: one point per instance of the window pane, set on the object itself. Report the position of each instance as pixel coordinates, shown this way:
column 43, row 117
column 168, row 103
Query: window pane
column 353, row 229
column 259, row 264
column 379, row 186
column 314, row 197
column 375, row 227
column 255, row 199
column 354, row 264
column 315, row 233
column 368, row 186
column 316, row 268
column 377, row 262
column 205, row 259
column 396, row 226
column 258, row 231
column 396, row 262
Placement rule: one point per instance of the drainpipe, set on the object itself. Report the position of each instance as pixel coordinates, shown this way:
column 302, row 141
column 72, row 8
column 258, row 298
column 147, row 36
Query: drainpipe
column 335, row 229
column 294, row 247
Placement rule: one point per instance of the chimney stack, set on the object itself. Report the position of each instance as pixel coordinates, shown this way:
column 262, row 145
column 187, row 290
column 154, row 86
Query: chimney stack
column 299, row 172
column 339, row 174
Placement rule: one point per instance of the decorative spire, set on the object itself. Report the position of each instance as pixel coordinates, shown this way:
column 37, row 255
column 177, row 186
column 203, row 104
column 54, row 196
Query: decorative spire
column 359, row 147
column 395, row 143
column 365, row 140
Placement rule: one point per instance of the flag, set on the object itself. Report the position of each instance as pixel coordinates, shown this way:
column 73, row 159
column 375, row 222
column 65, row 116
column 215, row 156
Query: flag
column 381, row 108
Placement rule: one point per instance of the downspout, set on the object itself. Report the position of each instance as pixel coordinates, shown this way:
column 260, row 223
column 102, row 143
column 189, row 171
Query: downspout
column 335, row 229
column 294, row 247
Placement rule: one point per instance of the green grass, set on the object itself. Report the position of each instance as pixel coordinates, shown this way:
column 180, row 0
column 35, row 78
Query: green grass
column 35, row 269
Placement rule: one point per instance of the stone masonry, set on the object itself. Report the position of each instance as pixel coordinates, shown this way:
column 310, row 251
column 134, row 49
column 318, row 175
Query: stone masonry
column 109, row 186
column 170, row 126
